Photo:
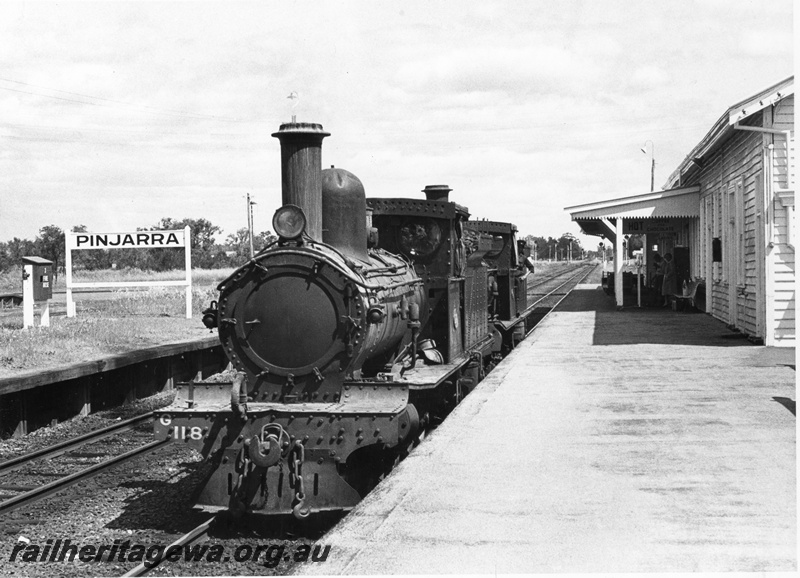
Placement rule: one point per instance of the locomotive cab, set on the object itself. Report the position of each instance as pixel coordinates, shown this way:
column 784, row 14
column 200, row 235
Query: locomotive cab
column 509, row 267
column 430, row 234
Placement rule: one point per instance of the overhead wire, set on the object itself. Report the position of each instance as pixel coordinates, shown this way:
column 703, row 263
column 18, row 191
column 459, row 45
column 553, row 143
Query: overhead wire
column 147, row 109
column 120, row 130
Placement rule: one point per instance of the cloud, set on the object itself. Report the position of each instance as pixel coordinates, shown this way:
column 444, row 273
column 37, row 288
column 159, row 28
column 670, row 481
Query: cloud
column 510, row 70
column 650, row 77
column 536, row 104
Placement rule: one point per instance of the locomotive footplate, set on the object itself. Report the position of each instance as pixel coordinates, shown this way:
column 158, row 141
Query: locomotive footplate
column 290, row 458
column 426, row 377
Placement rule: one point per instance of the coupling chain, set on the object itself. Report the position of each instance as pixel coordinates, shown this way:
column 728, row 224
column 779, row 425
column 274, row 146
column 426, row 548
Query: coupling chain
column 243, row 463
column 296, row 458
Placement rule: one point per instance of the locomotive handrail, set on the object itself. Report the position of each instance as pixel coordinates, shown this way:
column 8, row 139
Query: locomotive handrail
column 249, row 262
column 387, row 269
column 366, row 270
column 346, row 272
column 349, row 274
column 376, row 253
column 269, row 246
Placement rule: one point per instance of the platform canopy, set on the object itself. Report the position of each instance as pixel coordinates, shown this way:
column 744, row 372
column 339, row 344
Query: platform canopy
column 594, row 218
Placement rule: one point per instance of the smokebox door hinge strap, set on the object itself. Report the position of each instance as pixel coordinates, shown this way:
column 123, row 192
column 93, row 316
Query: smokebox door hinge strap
column 239, row 396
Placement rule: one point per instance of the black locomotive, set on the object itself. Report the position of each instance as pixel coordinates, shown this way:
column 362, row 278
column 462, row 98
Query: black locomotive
column 365, row 323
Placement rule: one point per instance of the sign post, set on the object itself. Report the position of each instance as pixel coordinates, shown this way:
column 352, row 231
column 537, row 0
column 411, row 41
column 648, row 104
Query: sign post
column 138, row 239
column 638, row 280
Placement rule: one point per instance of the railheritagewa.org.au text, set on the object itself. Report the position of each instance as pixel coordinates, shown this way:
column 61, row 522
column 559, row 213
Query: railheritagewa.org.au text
column 270, row 555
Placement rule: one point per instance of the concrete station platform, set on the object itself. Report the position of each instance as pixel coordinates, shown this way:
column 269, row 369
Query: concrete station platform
column 636, row 441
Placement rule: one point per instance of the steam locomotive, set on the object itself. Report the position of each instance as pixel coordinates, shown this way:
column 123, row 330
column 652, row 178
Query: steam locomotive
column 362, row 326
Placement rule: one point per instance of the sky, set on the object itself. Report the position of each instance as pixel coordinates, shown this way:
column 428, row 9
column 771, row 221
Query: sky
column 114, row 115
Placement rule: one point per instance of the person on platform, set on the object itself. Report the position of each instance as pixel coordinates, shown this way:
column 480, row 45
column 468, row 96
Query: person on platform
column 670, row 285
column 656, row 280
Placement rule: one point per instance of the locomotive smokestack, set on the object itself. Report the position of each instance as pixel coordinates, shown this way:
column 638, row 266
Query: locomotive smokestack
column 301, row 165
column 437, row 192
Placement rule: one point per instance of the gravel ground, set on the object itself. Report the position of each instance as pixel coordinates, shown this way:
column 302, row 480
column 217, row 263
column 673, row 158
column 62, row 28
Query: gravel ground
column 48, row 436
column 146, row 502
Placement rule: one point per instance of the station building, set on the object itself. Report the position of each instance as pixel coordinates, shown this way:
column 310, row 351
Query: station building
column 727, row 215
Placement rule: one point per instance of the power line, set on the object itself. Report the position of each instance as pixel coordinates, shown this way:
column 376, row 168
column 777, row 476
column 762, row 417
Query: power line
column 127, row 131
column 107, row 106
column 49, row 96
column 152, row 109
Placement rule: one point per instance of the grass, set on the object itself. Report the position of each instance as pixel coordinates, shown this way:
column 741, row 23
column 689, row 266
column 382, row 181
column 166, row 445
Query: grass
column 123, row 320
column 85, row 338
column 11, row 280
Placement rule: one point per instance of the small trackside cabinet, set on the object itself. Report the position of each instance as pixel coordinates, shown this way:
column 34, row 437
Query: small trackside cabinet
column 42, row 274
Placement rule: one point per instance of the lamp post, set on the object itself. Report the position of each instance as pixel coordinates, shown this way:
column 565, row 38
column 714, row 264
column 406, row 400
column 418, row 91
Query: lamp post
column 652, row 163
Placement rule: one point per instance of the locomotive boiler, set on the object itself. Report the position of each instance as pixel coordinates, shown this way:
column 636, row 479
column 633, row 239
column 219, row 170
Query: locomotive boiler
column 355, row 331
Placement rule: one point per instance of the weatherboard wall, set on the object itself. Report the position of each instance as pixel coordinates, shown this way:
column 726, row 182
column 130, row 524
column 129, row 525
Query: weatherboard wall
column 728, row 178
column 781, row 257
column 752, row 288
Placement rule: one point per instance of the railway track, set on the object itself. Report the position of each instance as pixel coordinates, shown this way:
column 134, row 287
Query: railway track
column 560, row 284
column 27, row 493
column 547, row 294
column 557, row 280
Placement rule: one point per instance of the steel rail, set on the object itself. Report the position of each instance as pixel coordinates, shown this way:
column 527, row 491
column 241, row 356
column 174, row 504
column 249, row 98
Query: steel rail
column 197, row 535
column 56, row 486
column 556, row 276
column 582, row 273
column 580, row 276
column 72, row 444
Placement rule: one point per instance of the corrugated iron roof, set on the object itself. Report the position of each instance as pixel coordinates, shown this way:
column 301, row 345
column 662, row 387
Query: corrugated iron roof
column 723, row 128
column 682, row 202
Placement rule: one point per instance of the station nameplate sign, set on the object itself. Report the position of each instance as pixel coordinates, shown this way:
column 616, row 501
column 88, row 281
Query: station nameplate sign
column 179, row 238
column 139, row 239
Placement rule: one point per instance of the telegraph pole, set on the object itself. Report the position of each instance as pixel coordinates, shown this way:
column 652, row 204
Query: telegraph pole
column 250, row 224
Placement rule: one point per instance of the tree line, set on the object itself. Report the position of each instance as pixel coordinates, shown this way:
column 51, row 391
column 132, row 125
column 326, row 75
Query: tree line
column 566, row 248
column 207, row 253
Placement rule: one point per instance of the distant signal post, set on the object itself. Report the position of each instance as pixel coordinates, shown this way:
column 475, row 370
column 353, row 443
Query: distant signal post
column 135, row 240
